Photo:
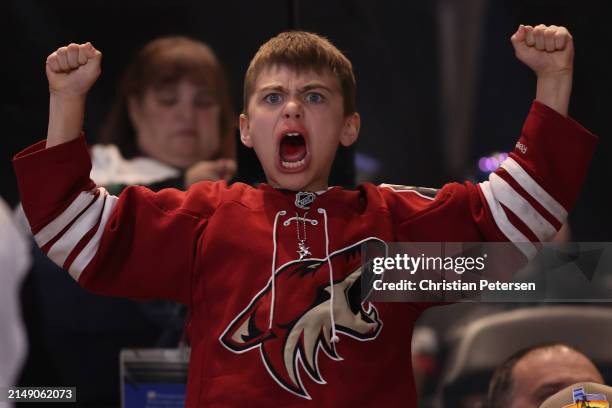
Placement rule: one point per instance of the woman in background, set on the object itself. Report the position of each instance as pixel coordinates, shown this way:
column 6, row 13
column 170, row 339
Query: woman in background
column 172, row 120
column 171, row 125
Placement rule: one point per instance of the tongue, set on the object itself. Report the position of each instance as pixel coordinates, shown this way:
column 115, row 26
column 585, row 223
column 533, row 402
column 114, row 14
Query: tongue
column 292, row 149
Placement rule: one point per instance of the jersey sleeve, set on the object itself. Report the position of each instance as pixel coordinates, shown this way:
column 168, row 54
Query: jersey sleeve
column 139, row 245
column 526, row 200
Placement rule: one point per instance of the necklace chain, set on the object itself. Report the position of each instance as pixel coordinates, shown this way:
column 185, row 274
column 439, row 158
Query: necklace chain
column 303, row 249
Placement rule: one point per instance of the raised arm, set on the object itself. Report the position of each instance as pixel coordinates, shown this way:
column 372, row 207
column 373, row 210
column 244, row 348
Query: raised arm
column 528, row 197
column 549, row 52
column 71, row 72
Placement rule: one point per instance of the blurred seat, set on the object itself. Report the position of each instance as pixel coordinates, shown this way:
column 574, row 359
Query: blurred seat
column 486, row 342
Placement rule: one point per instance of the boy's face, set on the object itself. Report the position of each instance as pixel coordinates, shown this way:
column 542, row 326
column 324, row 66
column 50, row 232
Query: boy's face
column 295, row 123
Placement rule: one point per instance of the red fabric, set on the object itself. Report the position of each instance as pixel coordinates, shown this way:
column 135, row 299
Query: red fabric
column 212, row 248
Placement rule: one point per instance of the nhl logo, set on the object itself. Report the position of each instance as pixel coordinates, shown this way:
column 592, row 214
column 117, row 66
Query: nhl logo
column 303, row 199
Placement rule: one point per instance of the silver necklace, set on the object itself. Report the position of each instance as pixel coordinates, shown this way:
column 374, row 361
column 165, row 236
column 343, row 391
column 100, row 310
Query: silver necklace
column 303, row 249
column 303, row 199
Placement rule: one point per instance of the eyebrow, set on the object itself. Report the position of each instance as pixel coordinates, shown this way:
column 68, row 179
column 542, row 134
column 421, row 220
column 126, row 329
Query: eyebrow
column 308, row 87
column 315, row 85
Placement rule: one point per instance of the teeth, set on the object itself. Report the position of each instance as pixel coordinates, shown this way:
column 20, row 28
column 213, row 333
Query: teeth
column 295, row 134
column 293, row 165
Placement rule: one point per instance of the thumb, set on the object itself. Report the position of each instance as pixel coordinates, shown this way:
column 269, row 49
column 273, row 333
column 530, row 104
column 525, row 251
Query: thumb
column 519, row 36
column 91, row 52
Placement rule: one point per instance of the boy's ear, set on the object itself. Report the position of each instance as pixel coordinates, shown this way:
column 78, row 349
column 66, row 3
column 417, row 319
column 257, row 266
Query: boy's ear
column 245, row 131
column 351, row 129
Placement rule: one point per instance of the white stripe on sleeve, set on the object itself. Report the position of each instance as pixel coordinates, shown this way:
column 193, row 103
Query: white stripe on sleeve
column 90, row 250
column 81, row 226
column 509, row 197
column 51, row 230
column 534, row 189
column 506, row 227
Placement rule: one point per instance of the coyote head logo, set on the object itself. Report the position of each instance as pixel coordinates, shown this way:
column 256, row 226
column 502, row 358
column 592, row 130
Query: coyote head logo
column 302, row 323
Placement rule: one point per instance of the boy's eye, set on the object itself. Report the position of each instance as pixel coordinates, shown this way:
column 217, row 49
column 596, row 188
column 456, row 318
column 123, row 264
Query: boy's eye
column 314, row 97
column 273, row 98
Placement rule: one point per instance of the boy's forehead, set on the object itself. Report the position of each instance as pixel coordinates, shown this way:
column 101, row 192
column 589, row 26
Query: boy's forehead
column 285, row 76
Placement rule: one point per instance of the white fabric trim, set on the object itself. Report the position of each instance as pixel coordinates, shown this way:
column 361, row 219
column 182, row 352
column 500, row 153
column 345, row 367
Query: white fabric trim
column 81, row 226
column 506, row 227
column 89, row 251
column 504, row 192
column 534, row 189
column 58, row 224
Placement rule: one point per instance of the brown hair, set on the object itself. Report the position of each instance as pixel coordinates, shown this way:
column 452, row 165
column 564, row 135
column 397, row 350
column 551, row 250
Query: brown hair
column 162, row 61
column 300, row 50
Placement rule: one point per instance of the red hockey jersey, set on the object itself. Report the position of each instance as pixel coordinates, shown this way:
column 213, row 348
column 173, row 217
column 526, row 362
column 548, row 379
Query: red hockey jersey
column 271, row 284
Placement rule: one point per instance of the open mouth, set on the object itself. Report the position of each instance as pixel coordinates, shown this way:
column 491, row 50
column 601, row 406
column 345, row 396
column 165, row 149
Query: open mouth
column 292, row 151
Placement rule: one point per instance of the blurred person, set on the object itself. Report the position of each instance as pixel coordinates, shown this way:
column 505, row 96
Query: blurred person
column 171, row 125
column 531, row 375
column 15, row 260
column 171, row 122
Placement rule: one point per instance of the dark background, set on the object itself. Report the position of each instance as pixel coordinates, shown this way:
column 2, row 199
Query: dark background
column 394, row 47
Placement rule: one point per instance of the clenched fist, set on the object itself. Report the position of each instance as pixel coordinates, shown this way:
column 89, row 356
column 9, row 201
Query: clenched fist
column 544, row 49
column 72, row 70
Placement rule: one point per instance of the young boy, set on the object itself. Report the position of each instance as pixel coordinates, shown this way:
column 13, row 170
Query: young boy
column 271, row 274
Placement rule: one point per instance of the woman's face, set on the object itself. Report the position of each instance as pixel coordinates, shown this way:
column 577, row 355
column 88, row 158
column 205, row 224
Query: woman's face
column 176, row 123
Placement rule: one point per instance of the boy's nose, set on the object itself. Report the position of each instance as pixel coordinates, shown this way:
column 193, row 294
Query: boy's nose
column 293, row 110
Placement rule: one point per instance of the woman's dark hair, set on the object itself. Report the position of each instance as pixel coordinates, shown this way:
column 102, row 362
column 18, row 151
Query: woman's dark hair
column 167, row 60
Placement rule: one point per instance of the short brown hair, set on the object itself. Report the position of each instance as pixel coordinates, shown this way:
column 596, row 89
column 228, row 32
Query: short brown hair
column 167, row 60
column 301, row 50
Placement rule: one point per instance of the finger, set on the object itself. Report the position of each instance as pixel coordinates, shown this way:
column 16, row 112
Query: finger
column 62, row 59
column 82, row 55
column 223, row 167
column 232, row 166
column 72, row 56
column 91, row 52
column 538, row 35
column 53, row 64
column 520, row 34
column 562, row 37
column 230, row 169
column 549, row 38
column 529, row 40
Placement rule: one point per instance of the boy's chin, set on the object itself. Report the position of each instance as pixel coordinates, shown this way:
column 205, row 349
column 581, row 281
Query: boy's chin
column 299, row 182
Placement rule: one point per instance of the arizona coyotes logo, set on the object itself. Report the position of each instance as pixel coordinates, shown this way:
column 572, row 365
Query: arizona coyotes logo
column 301, row 320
